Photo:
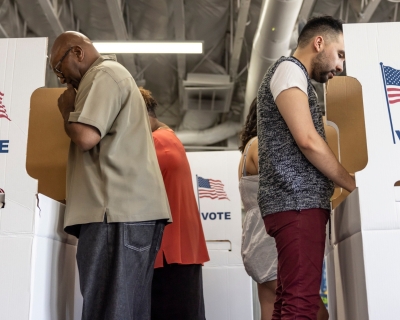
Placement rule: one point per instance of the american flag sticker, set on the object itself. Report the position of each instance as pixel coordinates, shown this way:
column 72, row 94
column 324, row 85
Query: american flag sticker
column 3, row 111
column 391, row 82
column 210, row 188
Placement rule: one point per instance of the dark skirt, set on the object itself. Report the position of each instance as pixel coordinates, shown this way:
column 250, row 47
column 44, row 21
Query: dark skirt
column 177, row 293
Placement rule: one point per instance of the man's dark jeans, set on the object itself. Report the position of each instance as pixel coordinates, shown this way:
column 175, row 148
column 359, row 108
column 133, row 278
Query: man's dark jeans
column 116, row 264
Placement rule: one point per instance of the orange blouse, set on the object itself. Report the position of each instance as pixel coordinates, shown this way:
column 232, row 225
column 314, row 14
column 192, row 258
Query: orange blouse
column 183, row 240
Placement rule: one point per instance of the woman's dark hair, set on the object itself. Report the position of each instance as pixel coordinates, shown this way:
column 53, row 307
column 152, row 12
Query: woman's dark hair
column 151, row 103
column 250, row 127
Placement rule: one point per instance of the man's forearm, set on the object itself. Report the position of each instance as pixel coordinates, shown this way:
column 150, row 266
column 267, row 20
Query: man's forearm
column 72, row 131
column 84, row 136
column 67, row 128
column 322, row 157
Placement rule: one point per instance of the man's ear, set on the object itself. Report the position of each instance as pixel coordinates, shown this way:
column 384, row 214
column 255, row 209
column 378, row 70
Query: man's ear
column 79, row 53
column 318, row 43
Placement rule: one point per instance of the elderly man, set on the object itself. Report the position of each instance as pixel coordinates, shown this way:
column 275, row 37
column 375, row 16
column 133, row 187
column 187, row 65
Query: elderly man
column 113, row 179
column 297, row 167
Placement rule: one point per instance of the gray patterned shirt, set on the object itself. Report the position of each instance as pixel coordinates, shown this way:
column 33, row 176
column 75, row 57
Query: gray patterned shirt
column 288, row 181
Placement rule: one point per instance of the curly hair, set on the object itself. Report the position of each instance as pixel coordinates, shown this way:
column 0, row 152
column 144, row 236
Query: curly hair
column 151, row 103
column 250, row 128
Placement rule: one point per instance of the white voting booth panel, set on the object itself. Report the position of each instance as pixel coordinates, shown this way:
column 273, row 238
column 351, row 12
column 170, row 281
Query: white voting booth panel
column 363, row 255
column 38, row 278
column 227, row 287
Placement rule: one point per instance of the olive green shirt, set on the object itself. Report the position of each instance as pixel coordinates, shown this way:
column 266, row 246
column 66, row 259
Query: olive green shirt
column 120, row 176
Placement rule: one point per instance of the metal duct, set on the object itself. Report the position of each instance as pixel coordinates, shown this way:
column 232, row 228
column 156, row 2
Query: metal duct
column 271, row 41
column 198, row 120
column 209, row 136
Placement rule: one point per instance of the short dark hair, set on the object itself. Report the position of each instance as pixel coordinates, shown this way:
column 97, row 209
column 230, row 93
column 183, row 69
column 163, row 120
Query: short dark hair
column 151, row 103
column 325, row 25
column 250, row 127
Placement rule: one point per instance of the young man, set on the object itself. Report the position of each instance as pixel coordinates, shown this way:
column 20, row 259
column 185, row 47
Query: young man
column 177, row 290
column 112, row 180
column 297, row 168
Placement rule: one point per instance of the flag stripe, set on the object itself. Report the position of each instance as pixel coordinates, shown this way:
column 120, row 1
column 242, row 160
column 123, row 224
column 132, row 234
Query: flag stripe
column 394, row 101
column 207, row 192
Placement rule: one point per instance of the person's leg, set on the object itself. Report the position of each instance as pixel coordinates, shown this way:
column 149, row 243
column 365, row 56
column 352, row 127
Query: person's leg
column 177, row 293
column 300, row 240
column 115, row 263
column 266, row 295
column 322, row 312
column 270, row 226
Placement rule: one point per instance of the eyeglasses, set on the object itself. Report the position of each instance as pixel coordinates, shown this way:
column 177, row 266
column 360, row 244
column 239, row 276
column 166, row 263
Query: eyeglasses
column 56, row 68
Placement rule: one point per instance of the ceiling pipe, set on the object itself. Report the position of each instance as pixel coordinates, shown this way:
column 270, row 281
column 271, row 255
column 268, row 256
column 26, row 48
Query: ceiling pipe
column 209, row 136
column 271, row 41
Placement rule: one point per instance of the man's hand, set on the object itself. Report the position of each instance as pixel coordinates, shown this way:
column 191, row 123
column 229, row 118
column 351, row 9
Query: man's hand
column 66, row 102
column 352, row 175
column 83, row 135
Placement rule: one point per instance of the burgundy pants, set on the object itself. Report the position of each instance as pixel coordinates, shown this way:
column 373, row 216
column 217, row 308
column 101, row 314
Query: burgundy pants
column 300, row 241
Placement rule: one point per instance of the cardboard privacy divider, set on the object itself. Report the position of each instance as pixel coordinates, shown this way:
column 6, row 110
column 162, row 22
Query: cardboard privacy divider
column 37, row 258
column 47, row 152
column 362, row 255
column 227, row 287
column 345, row 111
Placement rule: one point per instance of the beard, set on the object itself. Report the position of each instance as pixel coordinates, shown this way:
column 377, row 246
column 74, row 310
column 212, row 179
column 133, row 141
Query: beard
column 321, row 68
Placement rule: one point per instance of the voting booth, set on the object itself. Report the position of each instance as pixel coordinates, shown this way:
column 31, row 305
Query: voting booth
column 363, row 110
column 38, row 276
column 227, row 287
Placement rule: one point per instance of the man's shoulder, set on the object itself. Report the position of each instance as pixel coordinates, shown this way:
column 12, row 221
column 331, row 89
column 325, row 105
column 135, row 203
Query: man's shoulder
column 283, row 66
column 289, row 65
column 112, row 69
column 289, row 68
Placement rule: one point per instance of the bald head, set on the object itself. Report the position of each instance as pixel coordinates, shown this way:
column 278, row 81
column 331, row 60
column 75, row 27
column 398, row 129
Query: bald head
column 70, row 39
column 71, row 56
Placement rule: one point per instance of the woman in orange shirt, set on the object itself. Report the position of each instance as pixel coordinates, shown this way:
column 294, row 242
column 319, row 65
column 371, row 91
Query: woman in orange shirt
column 177, row 290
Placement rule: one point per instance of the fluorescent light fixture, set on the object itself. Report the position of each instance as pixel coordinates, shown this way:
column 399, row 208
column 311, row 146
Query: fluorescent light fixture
column 187, row 47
